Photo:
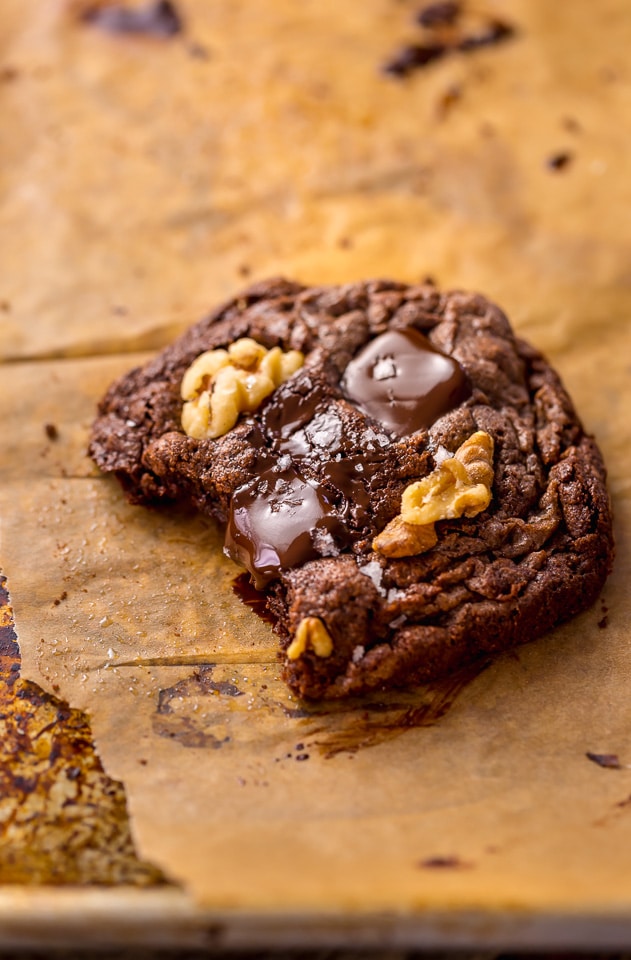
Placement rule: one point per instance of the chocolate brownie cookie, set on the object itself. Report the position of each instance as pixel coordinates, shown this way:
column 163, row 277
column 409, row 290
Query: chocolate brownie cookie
column 406, row 481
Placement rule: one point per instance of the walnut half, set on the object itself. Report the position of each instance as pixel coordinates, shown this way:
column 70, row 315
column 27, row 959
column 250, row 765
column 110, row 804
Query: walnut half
column 459, row 486
column 311, row 633
column 221, row 384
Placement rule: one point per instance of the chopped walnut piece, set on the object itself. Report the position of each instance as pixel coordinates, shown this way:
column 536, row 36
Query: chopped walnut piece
column 221, row 384
column 459, row 486
column 401, row 539
column 311, row 633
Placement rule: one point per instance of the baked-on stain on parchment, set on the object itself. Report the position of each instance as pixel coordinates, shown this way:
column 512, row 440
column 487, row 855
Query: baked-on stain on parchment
column 247, row 593
column 62, row 820
column 185, row 727
column 376, row 718
column 610, row 761
column 204, row 711
column 378, row 721
column 445, row 29
column 441, row 862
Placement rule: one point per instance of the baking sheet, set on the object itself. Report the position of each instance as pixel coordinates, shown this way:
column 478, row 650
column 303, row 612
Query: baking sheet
column 473, row 797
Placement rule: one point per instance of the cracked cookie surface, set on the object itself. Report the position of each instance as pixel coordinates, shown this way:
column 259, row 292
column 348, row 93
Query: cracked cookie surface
column 321, row 474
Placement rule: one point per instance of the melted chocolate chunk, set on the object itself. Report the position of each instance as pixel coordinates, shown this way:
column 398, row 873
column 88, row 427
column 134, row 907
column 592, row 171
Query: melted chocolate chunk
column 349, row 477
column 404, row 382
column 319, row 439
column 279, row 521
column 320, row 489
column 287, row 411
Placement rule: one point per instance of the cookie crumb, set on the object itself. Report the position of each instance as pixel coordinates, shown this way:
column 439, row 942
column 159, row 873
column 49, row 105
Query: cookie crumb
column 412, row 57
column 495, row 31
column 443, row 35
column 609, row 760
column 439, row 14
column 443, row 863
column 158, row 19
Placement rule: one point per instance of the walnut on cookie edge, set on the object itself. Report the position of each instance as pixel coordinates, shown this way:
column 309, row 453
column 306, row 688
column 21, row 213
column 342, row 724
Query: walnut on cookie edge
column 311, row 634
column 221, row 384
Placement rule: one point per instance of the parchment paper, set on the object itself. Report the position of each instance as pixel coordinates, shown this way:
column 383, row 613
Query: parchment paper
column 143, row 180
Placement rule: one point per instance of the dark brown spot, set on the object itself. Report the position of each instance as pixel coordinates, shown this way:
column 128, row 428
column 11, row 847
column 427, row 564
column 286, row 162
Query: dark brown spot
column 559, row 161
column 438, row 14
column 494, row 32
column 157, row 19
column 443, row 863
column 413, row 57
column 4, row 593
column 608, row 760
column 447, row 101
column 62, row 596
column 8, row 642
column 51, row 431
column 8, row 74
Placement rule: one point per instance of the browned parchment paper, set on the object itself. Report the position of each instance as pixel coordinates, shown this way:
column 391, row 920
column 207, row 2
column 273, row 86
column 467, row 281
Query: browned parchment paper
column 152, row 179
column 144, row 180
